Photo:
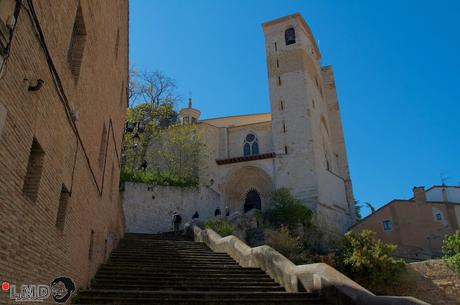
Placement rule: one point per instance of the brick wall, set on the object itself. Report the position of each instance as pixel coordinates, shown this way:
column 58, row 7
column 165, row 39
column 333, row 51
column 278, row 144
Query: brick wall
column 33, row 249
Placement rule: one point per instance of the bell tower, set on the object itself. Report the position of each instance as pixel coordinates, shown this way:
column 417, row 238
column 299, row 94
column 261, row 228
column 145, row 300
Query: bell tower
column 303, row 139
column 189, row 115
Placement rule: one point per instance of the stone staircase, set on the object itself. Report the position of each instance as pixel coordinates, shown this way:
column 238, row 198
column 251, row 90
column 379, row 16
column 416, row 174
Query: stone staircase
column 171, row 269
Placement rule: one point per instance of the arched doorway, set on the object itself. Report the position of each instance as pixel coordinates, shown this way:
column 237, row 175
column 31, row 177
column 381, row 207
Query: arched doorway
column 252, row 201
column 239, row 184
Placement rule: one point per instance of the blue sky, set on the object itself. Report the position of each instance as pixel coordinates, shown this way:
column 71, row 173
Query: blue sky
column 396, row 63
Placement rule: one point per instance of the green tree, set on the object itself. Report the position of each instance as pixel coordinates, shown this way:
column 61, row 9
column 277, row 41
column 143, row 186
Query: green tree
column 451, row 250
column 368, row 260
column 288, row 210
column 152, row 99
column 177, row 151
column 221, row 227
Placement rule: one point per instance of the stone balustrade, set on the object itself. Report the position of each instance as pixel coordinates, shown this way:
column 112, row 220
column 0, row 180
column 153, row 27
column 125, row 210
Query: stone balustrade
column 320, row 277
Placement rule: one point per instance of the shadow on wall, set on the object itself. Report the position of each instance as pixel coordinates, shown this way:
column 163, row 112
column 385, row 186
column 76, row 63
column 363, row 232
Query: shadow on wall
column 431, row 281
column 149, row 209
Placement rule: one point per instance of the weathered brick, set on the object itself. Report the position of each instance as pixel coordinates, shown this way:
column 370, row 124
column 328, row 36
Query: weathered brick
column 33, row 249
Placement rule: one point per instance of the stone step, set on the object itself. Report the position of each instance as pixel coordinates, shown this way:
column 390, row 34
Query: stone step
column 164, row 262
column 176, row 268
column 166, row 235
column 173, row 264
column 153, row 247
column 190, row 287
column 149, row 297
column 172, row 276
column 174, row 280
column 170, row 255
column 175, row 257
column 170, row 269
column 157, row 250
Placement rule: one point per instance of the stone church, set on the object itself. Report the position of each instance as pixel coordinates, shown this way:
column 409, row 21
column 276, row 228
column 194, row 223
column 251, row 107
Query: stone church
column 298, row 145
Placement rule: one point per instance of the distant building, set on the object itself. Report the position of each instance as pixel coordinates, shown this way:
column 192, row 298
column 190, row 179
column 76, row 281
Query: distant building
column 418, row 225
column 63, row 98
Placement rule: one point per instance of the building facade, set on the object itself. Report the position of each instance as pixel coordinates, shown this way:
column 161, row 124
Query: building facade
column 298, row 145
column 63, row 97
column 418, row 225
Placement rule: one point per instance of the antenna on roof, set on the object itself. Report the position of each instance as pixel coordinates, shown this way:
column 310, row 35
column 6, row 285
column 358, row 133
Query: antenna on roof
column 444, row 178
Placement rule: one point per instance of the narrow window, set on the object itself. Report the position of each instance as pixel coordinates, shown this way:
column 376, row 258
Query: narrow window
column 77, row 44
column 103, row 145
column 289, row 36
column 117, row 42
column 387, row 226
column 282, row 105
column 7, row 23
column 251, row 145
column 284, row 127
column 255, row 148
column 313, row 103
column 34, row 171
column 279, row 80
column 277, row 63
column 62, row 209
column 122, row 97
column 112, row 177
column 285, row 150
column 247, row 149
column 91, row 242
column 276, row 47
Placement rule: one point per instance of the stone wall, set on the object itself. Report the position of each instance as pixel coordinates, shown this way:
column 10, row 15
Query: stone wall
column 431, row 281
column 149, row 208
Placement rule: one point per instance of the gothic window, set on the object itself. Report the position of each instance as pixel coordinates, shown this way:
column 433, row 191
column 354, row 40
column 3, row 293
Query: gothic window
column 255, row 148
column 251, row 145
column 289, row 36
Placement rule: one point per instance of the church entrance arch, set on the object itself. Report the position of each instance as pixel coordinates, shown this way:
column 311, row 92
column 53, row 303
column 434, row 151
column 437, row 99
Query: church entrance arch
column 247, row 188
column 252, row 201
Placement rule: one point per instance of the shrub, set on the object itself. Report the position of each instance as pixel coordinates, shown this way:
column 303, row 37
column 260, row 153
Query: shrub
column 221, row 227
column 451, row 250
column 255, row 237
column 288, row 210
column 282, row 241
column 160, row 178
column 367, row 260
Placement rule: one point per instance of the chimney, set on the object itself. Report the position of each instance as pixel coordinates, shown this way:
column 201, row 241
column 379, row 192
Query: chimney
column 419, row 194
